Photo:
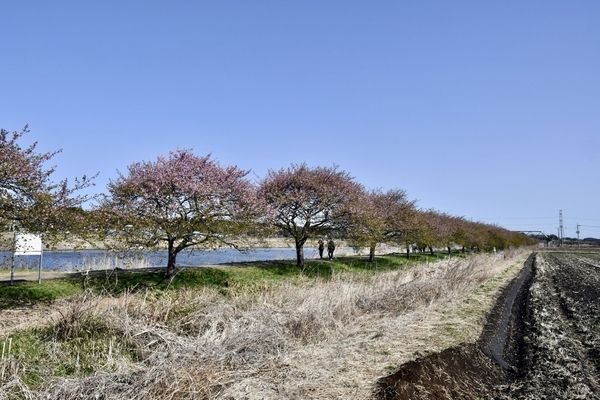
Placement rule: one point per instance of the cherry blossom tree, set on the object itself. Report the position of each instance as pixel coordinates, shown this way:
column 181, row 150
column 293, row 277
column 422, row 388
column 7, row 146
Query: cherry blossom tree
column 309, row 202
column 29, row 199
column 481, row 236
column 383, row 217
column 437, row 229
column 182, row 201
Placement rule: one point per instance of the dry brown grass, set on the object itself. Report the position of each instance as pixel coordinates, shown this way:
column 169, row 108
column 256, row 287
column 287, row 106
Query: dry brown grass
column 322, row 340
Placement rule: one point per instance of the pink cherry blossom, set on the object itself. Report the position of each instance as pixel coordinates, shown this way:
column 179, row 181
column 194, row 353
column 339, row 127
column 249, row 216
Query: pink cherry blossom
column 29, row 200
column 183, row 200
column 309, row 202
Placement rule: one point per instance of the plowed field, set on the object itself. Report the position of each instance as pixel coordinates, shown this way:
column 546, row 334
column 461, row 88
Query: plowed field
column 542, row 341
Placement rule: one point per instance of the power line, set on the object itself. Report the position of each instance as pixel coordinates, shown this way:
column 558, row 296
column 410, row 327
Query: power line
column 535, row 218
column 526, row 218
column 588, row 219
column 536, row 224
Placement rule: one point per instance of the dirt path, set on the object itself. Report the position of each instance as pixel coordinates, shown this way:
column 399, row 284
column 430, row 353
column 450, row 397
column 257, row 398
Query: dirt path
column 541, row 341
column 28, row 316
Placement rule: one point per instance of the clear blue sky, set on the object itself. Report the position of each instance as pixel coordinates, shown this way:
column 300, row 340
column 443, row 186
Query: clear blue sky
column 488, row 110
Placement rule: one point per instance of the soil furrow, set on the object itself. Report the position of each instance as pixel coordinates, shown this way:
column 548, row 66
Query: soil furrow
column 541, row 341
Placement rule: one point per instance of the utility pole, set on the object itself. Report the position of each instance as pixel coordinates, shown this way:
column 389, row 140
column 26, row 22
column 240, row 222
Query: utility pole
column 578, row 234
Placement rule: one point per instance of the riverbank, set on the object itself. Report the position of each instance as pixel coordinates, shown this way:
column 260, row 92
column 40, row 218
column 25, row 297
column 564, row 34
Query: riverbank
column 75, row 244
column 82, row 260
column 328, row 333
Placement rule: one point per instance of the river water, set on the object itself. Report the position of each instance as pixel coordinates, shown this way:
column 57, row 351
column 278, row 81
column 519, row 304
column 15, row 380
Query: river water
column 101, row 259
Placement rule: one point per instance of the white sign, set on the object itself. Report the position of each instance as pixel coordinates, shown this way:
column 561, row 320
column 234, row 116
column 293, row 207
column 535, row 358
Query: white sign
column 28, row 244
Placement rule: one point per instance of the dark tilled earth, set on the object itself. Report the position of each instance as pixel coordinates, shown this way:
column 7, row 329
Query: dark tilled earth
column 541, row 341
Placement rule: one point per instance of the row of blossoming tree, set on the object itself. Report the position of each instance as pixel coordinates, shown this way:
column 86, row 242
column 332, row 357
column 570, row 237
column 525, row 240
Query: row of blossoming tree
column 187, row 201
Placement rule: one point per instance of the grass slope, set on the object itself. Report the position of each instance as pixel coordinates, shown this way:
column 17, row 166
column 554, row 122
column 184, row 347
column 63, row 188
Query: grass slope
column 258, row 331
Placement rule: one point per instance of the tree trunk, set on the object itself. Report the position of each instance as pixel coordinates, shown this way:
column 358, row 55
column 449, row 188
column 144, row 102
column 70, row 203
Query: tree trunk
column 171, row 260
column 431, row 250
column 371, row 253
column 449, row 250
column 300, row 253
column 407, row 251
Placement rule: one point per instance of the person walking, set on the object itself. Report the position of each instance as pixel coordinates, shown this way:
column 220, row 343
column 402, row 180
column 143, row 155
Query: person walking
column 330, row 248
column 321, row 248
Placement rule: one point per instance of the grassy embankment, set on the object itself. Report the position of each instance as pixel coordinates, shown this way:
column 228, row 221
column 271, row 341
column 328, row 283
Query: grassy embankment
column 244, row 276
column 261, row 331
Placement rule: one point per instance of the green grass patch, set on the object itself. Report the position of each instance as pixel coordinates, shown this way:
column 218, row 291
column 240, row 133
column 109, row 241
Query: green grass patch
column 362, row 265
column 28, row 293
column 71, row 347
column 247, row 276
column 120, row 281
column 27, row 350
